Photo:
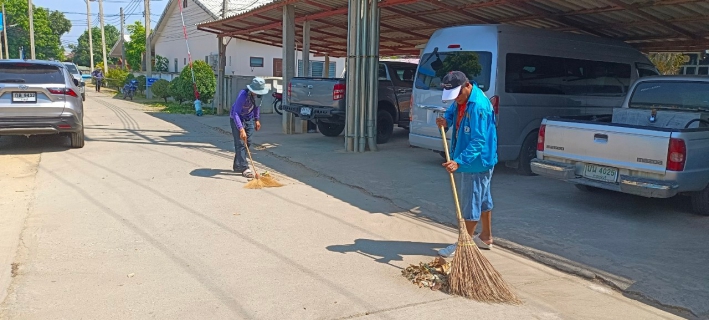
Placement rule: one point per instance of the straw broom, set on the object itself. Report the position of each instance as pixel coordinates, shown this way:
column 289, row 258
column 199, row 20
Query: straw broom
column 259, row 181
column 472, row 276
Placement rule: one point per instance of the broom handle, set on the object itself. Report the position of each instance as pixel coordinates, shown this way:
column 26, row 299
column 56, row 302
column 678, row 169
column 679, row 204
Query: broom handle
column 253, row 166
column 455, row 190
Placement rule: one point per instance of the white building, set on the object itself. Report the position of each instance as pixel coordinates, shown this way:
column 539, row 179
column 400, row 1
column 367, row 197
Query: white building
column 244, row 58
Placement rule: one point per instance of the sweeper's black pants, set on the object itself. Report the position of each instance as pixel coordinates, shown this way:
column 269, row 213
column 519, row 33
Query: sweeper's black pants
column 240, row 162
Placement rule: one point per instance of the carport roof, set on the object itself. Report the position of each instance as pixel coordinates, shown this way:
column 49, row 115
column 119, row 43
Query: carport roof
column 649, row 25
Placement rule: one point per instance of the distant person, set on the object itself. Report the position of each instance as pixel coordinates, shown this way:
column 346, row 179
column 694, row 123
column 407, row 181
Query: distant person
column 473, row 153
column 98, row 76
column 244, row 118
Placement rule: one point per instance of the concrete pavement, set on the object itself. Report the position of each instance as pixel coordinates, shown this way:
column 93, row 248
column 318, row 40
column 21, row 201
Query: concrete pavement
column 146, row 221
column 652, row 249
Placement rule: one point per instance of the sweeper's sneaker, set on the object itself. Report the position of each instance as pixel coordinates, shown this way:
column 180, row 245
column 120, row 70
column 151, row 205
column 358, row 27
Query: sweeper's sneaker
column 480, row 243
column 448, row 251
column 248, row 174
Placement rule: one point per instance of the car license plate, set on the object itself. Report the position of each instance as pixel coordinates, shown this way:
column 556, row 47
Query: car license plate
column 306, row 111
column 24, row 97
column 600, row 173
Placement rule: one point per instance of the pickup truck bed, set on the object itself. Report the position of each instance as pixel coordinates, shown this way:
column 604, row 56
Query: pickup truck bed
column 658, row 161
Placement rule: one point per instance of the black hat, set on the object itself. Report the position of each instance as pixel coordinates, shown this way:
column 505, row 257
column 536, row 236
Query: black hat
column 452, row 83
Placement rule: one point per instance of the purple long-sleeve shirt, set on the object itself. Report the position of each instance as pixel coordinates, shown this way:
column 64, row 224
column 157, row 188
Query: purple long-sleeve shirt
column 244, row 109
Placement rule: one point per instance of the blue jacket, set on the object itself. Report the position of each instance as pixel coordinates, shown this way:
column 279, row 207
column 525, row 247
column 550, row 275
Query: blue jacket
column 474, row 147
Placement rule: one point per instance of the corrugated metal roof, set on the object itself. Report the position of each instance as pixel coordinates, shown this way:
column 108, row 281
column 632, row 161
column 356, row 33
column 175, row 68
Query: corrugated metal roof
column 650, row 25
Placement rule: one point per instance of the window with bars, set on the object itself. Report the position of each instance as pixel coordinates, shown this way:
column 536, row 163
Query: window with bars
column 317, row 68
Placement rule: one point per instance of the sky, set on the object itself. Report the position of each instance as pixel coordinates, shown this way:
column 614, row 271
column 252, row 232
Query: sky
column 75, row 11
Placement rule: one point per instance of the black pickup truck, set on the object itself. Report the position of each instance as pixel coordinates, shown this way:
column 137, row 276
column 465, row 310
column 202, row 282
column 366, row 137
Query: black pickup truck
column 323, row 100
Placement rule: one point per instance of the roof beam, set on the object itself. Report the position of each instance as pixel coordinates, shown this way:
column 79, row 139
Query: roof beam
column 551, row 15
column 457, row 10
column 650, row 17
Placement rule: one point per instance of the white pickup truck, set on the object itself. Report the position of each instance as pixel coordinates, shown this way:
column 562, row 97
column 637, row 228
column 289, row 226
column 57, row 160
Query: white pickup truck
column 656, row 145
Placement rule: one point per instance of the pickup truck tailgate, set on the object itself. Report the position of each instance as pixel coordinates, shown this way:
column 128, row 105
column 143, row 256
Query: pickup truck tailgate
column 316, row 92
column 607, row 144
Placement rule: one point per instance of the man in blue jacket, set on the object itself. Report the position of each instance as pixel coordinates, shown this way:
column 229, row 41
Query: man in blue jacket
column 473, row 153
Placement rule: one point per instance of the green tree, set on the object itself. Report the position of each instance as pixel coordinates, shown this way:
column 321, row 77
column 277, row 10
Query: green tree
column 205, row 79
column 161, row 63
column 667, row 63
column 161, row 89
column 141, row 83
column 136, row 47
column 48, row 28
column 81, row 49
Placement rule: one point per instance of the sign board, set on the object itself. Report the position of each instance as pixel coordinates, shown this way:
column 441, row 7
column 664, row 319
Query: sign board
column 2, row 26
column 151, row 81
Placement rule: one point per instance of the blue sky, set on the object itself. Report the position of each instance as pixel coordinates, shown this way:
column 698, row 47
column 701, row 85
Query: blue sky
column 75, row 11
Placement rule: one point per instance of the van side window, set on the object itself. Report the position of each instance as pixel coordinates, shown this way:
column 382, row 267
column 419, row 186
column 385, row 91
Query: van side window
column 383, row 72
column 563, row 76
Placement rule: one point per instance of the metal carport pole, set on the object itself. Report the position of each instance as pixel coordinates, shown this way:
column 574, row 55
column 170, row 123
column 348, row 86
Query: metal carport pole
column 373, row 76
column 350, row 93
column 288, row 121
column 362, row 83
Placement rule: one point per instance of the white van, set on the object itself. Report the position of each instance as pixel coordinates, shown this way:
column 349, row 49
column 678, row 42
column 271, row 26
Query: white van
column 528, row 74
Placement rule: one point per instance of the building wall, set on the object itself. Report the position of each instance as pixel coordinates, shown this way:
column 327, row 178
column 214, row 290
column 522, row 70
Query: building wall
column 171, row 44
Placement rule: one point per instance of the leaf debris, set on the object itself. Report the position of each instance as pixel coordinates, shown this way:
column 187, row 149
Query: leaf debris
column 433, row 275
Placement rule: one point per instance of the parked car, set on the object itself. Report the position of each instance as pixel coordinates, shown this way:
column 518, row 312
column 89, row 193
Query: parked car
column 40, row 97
column 527, row 74
column 656, row 146
column 323, row 100
column 78, row 75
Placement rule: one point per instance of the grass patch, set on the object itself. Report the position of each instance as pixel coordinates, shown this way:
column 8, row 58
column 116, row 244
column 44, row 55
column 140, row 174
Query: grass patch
column 176, row 108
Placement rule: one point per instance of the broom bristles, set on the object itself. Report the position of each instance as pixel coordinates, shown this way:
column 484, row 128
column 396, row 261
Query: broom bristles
column 473, row 276
column 262, row 182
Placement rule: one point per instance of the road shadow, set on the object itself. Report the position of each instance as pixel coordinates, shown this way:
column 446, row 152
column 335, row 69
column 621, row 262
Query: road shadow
column 10, row 145
column 386, row 251
column 214, row 173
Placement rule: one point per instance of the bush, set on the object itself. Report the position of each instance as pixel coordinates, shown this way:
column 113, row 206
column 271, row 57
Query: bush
column 141, row 83
column 177, row 91
column 161, row 89
column 115, row 78
column 205, row 78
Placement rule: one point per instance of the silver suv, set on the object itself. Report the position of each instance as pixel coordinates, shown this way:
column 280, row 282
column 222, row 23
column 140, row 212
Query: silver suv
column 76, row 73
column 40, row 97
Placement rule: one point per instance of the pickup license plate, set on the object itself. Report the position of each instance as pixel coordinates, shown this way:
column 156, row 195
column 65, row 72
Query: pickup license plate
column 304, row 111
column 600, row 173
column 24, row 97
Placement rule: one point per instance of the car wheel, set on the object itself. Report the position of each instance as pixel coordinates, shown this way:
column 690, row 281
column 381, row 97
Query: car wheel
column 700, row 202
column 330, row 129
column 385, row 126
column 526, row 154
column 77, row 139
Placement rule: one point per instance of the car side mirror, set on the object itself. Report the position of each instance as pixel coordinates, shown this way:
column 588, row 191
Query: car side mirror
column 76, row 82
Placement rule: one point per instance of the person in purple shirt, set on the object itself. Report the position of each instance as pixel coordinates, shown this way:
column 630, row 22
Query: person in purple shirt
column 244, row 118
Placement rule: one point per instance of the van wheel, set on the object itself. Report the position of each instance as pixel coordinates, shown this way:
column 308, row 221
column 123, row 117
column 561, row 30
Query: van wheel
column 77, row 139
column 330, row 129
column 700, row 202
column 526, row 154
column 385, row 126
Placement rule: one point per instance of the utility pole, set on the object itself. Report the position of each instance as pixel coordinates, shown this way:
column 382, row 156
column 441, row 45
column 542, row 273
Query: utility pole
column 91, row 38
column 221, row 89
column 122, row 40
column 31, row 13
column 103, row 36
column 4, row 32
column 148, row 51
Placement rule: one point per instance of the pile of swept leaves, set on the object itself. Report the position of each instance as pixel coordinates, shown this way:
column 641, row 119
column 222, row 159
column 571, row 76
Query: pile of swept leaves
column 432, row 275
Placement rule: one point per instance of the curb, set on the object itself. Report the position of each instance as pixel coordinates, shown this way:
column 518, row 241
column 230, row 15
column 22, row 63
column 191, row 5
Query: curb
column 562, row 264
